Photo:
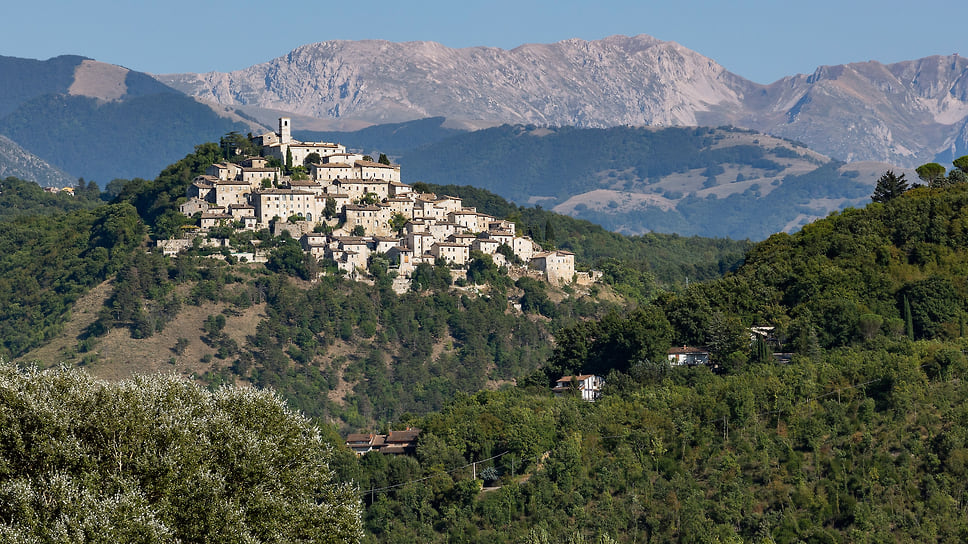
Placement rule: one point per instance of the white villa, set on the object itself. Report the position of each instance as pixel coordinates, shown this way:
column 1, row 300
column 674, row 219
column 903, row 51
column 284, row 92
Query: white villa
column 588, row 385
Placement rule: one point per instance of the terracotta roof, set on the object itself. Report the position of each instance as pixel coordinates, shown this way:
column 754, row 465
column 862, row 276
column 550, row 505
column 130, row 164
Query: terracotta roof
column 283, row 192
column 312, row 144
column 372, row 164
column 349, row 239
column 408, row 435
column 684, row 350
column 580, row 377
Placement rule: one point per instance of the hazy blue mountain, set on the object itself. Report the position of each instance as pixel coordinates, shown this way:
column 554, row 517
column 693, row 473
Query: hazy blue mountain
column 391, row 138
column 100, row 121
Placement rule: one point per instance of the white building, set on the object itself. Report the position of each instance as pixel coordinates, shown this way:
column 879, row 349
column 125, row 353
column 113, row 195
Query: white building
column 588, row 385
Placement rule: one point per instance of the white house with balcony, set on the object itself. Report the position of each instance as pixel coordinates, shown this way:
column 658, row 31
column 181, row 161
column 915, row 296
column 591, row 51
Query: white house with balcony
column 588, row 386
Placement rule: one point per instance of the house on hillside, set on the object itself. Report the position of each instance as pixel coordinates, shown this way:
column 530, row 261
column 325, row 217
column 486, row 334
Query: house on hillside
column 688, row 356
column 404, row 441
column 558, row 266
column 397, row 442
column 588, row 385
column 363, row 443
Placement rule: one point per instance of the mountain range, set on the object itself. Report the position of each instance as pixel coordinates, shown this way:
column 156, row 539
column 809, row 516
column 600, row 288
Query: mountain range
column 439, row 111
column 905, row 113
column 715, row 182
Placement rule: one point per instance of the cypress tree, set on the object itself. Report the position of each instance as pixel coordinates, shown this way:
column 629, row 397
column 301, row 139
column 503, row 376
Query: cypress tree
column 549, row 231
column 908, row 320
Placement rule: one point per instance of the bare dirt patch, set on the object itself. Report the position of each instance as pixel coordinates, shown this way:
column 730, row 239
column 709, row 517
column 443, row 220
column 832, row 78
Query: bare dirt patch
column 99, row 80
column 63, row 348
column 614, row 201
column 120, row 356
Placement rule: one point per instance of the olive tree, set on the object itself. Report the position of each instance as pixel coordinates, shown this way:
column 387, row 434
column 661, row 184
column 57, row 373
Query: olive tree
column 160, row 459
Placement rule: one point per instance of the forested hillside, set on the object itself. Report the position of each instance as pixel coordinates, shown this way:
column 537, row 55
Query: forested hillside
column 348, row 352
column 854, row 434
column 856, row 438
column 53, row 249
column 135, row 137
column 722, row 182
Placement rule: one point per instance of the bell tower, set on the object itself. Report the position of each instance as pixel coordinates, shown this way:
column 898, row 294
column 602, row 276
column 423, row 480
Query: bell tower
column 285, row 134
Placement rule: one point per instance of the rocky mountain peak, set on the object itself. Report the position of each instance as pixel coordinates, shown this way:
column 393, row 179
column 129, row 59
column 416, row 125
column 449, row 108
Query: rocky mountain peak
column 905, row 113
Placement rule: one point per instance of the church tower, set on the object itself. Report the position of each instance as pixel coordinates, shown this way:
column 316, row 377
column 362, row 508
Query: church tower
column 285, row 136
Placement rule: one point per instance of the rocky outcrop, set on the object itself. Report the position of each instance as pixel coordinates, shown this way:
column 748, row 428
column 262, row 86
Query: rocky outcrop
column 15, row 161
column 618, row 80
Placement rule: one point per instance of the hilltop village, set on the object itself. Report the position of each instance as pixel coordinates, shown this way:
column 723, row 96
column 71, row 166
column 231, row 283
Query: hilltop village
column 345, row 207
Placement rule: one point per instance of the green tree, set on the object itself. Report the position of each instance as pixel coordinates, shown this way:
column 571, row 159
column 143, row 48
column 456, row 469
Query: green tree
column 889, row 186
column 549, row 231
column 289, row 258
column 288, row 160
column 908, row 319
column 961, row 163
column 384, row 159
column 612, row 343
column 931, row 173
column 160, row 459
column 299, row 173
column 329, row 209
column 398, row 221
column 725, row 335
column 481, row 268
column 312, row 158
column 929, row 304
column 369, row 199
column 760, row 352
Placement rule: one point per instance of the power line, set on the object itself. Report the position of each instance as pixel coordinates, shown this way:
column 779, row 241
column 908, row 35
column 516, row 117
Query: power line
column 472, row 463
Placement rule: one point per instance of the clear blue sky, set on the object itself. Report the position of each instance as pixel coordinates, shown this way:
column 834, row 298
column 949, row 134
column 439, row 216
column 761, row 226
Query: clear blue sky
column 759, row 40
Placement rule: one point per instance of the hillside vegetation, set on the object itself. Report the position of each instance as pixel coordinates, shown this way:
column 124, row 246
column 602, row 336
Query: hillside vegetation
column 858, row 438
column 342, row 351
